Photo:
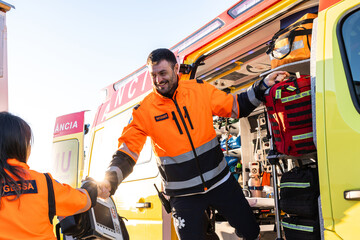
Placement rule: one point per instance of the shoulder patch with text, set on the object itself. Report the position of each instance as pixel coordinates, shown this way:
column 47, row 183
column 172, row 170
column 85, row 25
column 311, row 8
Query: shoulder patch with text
column 161, row 117
column 28, row 187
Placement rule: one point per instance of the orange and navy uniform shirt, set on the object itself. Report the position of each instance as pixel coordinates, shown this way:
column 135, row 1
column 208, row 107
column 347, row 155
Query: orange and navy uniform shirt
column 28, row 216
column 178, row 127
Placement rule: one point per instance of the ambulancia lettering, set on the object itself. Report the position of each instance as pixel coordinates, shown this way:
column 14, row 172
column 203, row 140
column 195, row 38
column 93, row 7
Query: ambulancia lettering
column 69, row 124
column 119, row 96
column 66, row 126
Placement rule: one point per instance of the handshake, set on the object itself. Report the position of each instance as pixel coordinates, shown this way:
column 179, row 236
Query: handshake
column 104, row 188
column 96, row 189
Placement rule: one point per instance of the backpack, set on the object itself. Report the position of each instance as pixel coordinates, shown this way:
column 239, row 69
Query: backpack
column 292, row 43
column 296, row 228
column 288, row 104
column 299, row 192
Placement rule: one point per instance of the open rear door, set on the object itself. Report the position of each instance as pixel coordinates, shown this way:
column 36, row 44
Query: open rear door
column 68, row 149
column 338, row 108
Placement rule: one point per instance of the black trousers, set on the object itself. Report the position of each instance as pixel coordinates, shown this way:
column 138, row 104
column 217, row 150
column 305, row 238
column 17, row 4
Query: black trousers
column 228, row 199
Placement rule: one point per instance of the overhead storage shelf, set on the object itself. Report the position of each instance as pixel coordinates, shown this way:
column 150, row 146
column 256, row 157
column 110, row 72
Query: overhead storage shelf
column 303, row 67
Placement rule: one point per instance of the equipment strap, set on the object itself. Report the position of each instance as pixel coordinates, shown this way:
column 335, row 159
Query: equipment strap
column 269, row 108
column 256, row 188
column 57, row 230
column 298, row 114
column 301, row 122
column 274, row 124
column 277, row 132
column 282, row 31
column 51, row 197
column 291, row 88
column 304, row 151
column 295, row 33
column 291, row 37
column 297, row 105
column 278, row 94
column 304, row 144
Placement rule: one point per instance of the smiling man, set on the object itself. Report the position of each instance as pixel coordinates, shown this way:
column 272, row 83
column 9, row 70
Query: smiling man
column 164, row 77
column 178, row 116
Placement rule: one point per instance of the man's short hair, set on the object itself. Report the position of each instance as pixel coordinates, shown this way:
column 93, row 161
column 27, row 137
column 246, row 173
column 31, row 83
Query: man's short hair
column 161, row 54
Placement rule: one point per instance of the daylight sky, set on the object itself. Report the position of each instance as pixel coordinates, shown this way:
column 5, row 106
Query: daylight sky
column 61, row 53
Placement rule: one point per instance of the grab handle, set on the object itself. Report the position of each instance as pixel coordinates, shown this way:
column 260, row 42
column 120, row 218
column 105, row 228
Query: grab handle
column 143, row 205
column 352, row 195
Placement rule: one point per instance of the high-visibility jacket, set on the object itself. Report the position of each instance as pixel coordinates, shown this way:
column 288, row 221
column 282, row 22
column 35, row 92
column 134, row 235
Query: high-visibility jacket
column 190, row 159
column 28, row 216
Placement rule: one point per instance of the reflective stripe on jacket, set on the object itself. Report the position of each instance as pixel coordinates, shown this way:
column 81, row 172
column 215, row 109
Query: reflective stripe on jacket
column 183, row 137
column 27, row 217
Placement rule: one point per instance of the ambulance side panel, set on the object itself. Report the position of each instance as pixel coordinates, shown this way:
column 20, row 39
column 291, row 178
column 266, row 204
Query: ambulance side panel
column 67, row 149
column 338, row 119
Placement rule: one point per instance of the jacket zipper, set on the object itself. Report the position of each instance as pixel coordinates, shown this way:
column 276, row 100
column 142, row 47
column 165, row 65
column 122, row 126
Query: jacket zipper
column 188, row 117
column 177, row 122
column 191, row 142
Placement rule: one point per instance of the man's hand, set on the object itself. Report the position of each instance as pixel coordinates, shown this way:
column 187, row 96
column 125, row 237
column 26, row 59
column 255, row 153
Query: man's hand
column 277, row 76
column 90, row 185
column 104, row 189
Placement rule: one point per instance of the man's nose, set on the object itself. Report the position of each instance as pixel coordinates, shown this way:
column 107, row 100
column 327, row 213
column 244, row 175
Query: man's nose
column 158, row 78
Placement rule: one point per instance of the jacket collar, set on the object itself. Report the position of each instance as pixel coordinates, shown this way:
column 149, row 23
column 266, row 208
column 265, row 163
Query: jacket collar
column 15, row 162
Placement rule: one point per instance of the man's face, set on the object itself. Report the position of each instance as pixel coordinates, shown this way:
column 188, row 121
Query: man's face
column 164, row 77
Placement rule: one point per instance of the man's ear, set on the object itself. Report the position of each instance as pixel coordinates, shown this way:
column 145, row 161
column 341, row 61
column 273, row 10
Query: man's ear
column 176, row 68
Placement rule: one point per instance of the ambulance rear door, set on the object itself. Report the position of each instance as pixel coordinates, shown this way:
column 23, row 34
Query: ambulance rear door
column 338, row 125
column 68, row 149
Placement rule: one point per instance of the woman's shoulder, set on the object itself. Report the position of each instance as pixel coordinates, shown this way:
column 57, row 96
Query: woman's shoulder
column 36, row 174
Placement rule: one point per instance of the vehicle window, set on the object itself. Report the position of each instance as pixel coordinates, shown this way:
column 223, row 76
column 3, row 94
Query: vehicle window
column 243, row 7
column 106, row 142
column 350, row 39
column 65, row 161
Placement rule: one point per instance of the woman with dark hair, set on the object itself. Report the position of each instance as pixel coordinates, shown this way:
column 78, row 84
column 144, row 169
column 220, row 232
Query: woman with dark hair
column 27, row 203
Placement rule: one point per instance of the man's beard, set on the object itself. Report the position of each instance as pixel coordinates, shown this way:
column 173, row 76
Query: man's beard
column 170, row 93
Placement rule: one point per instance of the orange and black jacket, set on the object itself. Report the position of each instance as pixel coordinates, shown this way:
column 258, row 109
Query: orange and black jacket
column 189, row 156
column 28, row 216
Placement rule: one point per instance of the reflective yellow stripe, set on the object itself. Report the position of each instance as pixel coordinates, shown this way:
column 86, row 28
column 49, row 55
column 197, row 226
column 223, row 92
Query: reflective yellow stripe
column 278, row 94
column 295, row 97
column 302, row 136
column 298, row 227
column 294, row 185
column 291, row 88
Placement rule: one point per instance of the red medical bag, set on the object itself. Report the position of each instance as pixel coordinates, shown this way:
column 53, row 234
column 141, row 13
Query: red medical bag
column 288, row 105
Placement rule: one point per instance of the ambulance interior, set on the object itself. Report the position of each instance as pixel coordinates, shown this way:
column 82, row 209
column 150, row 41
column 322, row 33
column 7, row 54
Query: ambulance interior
column 233, row 67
